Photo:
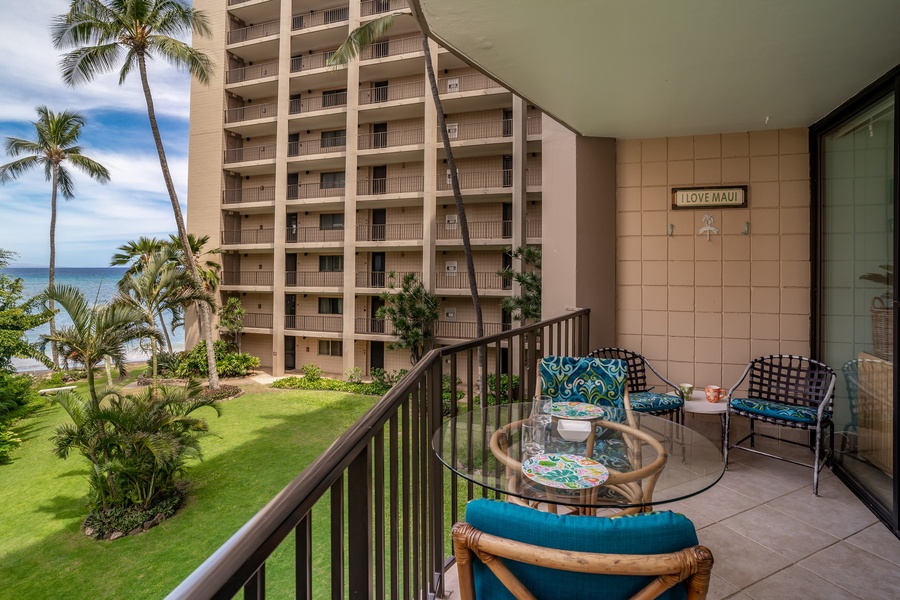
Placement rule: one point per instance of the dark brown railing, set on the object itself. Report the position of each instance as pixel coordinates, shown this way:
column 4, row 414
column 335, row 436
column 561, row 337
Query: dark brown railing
column 329, row 323
column 478, row 230
column 392, row 232
column 314, row 279
column 381, row 279
column 460, row 281
column 465, row 330
column 368, row 8
column 263, row 193
column 389, row 93
column 374, row 326
column 257, row 320
column 305, row 191
column 306, row 235
column 320, row 146
column 328, row 16
column 248, row 236
column 391, row 47
column 379, row 490
column 305, row 105
column 390, row 185
column 471, row 180
column 248, row 278
column 391, row 139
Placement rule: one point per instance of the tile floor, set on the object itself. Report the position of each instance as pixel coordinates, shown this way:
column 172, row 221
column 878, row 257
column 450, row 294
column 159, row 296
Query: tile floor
column 772, row 538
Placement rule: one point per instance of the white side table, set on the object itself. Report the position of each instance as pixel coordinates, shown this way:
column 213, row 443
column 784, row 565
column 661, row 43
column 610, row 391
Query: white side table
column 698, row 404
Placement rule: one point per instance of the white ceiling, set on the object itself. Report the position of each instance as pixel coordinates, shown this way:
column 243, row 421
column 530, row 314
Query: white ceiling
column 652, row 68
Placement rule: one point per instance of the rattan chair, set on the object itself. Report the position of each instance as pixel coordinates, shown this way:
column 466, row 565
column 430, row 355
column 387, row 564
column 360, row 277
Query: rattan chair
column 642, row 398
column 788, row 391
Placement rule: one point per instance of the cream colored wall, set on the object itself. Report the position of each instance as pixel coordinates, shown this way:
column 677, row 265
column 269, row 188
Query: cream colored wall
column 698, row 309
column 260, row 346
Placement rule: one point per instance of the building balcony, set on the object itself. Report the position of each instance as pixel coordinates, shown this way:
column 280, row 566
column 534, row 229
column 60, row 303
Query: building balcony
column 368, row 326
column 378, row 280
column 314, row 191
column 326, row 323
column 391, row 232
column 533, row 125
column 263, row 193
column 252, row 72
column 248, row 278
column 478, row 230
column 533, row 228
column 314, row 147
column 314, row 279
column 412, row 184
column 459, row 281
column 479, row 180
column 465, row 330
column 391, row 139
column 253, row 32
column 412, row 90
column 309, row 62
column 248, row 236
column 318, row 103
column 392, row 47
column 371, row 8
column 481, row 130
column 313, row 235
column 253, row 153
column 533, row 177
column 257, row 321
column 251, row 113
column 327, row 17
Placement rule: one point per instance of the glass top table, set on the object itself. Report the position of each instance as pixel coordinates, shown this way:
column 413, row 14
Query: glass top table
column 648, row 460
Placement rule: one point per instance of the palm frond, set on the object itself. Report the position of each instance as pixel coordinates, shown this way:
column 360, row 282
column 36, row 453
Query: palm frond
column 362, row 37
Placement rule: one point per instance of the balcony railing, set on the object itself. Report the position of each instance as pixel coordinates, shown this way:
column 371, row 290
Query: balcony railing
column 252, row 32
column 321, row 146
column 377, row 7
column 251, row 113
column 390, row 185
column 306, row 105
column 391, row 139
column 478, row 230
column 479, row 130
column 266, row 69
column 460, row 281
column 306, row 191
column 533, row 228
column 533, row 125
column 236, row 2
column 389, row 541
column 248, row 236
column 329, row 323
column 307, row 235
column 392, row 232
column 314, row 279
column 465, row 330
column 257, row 320
column 472, row 180
column 380, row 279
column 328, row 16
column 533, row 177
column 466, row 83
column 389, row 93
column 391, row 47
column 308, row 62
column 248, row 278
column 236, row 155
column 263, row 193
column 374, row 326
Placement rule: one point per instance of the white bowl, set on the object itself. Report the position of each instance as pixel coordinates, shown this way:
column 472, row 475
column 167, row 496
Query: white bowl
column 573, row 431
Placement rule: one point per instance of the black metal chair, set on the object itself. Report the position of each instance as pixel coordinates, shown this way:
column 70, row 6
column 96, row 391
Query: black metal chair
column 643, row 399
column 788, row 391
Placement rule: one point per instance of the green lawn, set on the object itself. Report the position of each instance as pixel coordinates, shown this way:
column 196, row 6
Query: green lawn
column 261, row 442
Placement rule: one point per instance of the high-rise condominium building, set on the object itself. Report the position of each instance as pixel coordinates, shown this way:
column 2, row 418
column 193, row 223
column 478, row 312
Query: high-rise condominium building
column 318, row 182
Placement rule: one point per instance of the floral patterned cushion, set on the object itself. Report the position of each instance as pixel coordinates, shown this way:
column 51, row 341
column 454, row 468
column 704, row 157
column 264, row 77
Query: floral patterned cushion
column 653, row 402
column 594, row 380
column 778, row 410
column 609, row 449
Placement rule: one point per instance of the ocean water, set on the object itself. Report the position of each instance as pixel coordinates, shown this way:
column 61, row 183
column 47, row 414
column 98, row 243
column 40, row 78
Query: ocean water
column 98, row 285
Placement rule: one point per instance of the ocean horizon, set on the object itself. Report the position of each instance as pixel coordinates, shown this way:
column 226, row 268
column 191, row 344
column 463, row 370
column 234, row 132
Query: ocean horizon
column 98, row 284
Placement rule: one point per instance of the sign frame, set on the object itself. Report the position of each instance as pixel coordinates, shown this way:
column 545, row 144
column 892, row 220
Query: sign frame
column 710, row 188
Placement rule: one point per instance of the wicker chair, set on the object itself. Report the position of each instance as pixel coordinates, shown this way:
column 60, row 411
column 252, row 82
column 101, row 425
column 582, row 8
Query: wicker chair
column 788, row 391
column 506, row 551
column 642, row 399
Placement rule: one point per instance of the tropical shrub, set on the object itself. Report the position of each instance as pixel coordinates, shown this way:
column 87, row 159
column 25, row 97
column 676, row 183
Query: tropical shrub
column 388, row 380
column 236, row 364
column 194, row 363
column 8, row 443
column 15, row 391
column 332, row 385
column 354, row 375
column 166, row 363
column 504, row 389
column 311, row 372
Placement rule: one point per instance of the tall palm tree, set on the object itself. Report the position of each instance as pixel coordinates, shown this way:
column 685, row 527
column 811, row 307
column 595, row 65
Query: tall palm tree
column 367, row 34
column 136, row 254
column 103, row 33
column 55, row 147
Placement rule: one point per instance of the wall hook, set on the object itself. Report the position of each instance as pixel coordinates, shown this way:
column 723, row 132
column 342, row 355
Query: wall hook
column 746, row 228
column 708, row 229
column 671, row 229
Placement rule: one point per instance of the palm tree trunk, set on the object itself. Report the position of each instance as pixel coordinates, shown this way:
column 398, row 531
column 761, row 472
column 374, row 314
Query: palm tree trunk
column 165, row 330
column 51, row 305
column 179, row 222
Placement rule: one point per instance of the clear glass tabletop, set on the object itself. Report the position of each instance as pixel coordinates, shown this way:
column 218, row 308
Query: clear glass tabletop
column 651, row 460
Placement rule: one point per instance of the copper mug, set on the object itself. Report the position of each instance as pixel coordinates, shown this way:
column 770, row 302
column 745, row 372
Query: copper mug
column 715, row 393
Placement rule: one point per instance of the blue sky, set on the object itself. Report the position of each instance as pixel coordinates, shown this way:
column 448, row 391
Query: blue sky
column 117, row 134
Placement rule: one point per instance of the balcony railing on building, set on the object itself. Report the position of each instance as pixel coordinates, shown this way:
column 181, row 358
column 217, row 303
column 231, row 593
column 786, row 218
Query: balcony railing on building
column 314, row 279
column 321, row 146
column 533, row 228
column 307, row 62
column 381, row 279
column 253, row 32
column 311, row 235
column 390, row 185
column 257, row 320
column 466, row 83
column 263, row 193
column 390, row 232
column 533, row 176
column 236, row 2
column 478, row 230
column 374, row 326
column 248, row 278
column 533, row 125
column 248, row 236
column 465, row 330
column 389, row 93
column 391, row 139
column 473, row 180
column 479, row 130
column 249, row 73
column 327, row 323
column 317, row 18
column 251, row 113
column 382, row 499
column 307, row 105
column 376, row 7
column 460, row 281
column 236, row 155
column 391, row 47
column 307, row 191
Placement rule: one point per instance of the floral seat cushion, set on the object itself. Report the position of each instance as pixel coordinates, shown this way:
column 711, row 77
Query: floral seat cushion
column 778, row 410
column 577, row 379
column 609, row 449
column 653, row 402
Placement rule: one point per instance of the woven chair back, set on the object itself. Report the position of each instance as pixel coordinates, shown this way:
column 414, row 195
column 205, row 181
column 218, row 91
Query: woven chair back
column 637, row 366
column 790, row 379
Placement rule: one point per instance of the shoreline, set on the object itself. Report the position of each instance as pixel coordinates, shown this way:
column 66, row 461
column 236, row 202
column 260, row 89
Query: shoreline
column 44, row 371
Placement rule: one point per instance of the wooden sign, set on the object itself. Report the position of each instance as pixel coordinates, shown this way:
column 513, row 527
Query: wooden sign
column 710, row 197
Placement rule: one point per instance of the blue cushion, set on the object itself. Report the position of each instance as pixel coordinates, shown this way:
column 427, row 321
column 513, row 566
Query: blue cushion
column 652, row 402
column 609, row 449
column 594, row 380
column 647, row 533
column 778, row 410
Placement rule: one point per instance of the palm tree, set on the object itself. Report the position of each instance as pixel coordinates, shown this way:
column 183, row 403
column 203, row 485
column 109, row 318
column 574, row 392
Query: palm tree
column 97, row 331
column 56, row 146
column 103, row 33
column 136, row 254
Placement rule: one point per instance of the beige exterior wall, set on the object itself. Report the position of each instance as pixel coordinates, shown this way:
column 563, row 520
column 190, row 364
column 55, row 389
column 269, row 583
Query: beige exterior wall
column 701, row 309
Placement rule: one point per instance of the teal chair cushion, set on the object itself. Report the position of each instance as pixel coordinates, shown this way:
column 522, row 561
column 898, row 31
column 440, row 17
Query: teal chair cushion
column 778, row 410
column 577, row 379
column 653, row 402
column 646, row 533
